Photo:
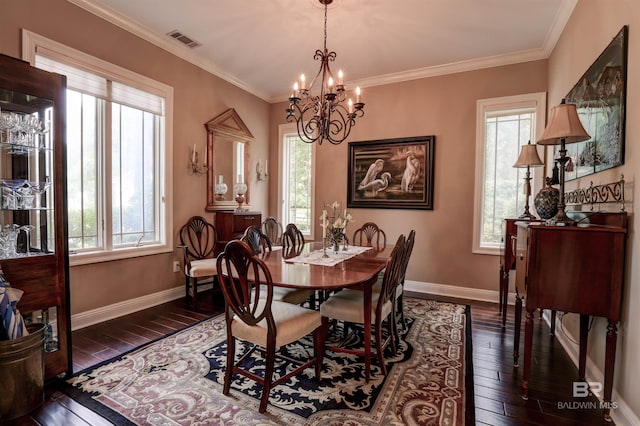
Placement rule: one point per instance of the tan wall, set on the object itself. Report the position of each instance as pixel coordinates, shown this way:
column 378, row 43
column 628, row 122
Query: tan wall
column 591, row 28
column 199, row 96
column 443, row 106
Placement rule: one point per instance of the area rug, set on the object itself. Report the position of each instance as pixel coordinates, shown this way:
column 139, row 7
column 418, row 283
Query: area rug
column 178, row 379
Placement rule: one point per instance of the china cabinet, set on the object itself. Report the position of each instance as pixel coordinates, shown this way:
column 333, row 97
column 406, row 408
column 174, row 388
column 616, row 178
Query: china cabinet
column 33, row 237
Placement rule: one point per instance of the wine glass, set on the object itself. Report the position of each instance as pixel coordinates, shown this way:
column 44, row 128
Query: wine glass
column 7, row 122
column 27, row 230
column 39, row 188
column 41, row 129
column 25, row 197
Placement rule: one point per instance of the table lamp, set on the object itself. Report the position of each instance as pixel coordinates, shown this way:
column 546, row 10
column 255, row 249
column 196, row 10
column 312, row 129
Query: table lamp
column 563, row 127
column 528, row 158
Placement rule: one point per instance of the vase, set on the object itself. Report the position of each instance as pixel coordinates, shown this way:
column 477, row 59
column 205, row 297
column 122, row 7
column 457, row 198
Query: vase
column 546, row 201
column 336, row 247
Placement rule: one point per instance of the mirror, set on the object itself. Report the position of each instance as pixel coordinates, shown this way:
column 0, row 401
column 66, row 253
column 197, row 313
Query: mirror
column 228, row 154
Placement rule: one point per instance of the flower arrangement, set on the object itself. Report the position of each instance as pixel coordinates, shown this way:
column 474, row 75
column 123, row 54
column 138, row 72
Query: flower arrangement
column 333, row 225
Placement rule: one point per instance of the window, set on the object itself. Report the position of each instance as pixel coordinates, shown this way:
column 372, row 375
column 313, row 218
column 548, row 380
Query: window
column 118, row 137
column 503, row 126
column 296, row 180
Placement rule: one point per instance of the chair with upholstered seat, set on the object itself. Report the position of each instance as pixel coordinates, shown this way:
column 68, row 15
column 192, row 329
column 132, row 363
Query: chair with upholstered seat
column 369, row 235
column 261, row 245
column 292, row 237
column 272, row 228
column 258, row 241
column 265, row 323
column 348, row 306
column 198, row 242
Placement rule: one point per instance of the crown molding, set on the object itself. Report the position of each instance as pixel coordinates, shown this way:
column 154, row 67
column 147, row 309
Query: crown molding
column 453, row 68
column 171, row 46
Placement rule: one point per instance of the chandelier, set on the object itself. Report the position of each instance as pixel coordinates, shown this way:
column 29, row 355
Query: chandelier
column 324, row 116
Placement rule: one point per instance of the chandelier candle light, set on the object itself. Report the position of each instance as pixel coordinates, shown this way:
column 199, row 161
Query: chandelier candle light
column 324, row 117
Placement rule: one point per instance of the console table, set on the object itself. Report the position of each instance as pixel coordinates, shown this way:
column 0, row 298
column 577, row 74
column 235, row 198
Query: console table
column 507, row 263
column 231, row 224
column 577, row 269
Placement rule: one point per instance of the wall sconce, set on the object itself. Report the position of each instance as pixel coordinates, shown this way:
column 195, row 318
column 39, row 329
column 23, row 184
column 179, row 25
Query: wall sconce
column 194, row 167
column 262, row 170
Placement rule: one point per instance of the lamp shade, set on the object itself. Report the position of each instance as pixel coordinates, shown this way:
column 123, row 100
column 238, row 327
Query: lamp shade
column 529, row 157
column 564, row 124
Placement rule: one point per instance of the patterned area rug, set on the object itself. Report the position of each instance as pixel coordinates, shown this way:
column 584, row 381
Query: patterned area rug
column 178, row 380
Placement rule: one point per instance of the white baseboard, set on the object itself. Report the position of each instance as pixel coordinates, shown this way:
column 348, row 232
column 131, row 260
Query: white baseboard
column 455, row 291
column 622, row 415
column 105, row 313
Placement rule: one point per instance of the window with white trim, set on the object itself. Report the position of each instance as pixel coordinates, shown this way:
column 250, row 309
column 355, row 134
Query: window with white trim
column 503, row 125
column 117, row 142
column 296, row 180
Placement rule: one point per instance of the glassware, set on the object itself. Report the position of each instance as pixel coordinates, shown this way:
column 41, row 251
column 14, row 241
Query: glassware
column 25, row 197
column 50, row 342
column 9, row 237
column 9, row 189
column 39, row 189
column 27, row 230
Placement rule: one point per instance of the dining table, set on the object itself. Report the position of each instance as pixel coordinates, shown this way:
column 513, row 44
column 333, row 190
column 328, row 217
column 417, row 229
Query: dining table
column 302, row 269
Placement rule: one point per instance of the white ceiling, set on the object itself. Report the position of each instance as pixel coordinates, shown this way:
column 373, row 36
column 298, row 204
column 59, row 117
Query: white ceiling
column 262, row 46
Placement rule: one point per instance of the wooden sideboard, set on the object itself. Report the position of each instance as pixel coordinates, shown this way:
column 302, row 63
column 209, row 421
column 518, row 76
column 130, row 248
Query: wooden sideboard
column 577, row 269
column 231, row 225
column 507, row 263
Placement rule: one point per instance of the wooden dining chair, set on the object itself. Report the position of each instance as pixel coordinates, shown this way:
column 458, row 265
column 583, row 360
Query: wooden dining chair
column 292, row 237
column 348, row 306
column 265, row 323
column 272, row 228
column 198, row 243
column 258, row 241
column 401, row 275
column 369, row 235
column 261, row 245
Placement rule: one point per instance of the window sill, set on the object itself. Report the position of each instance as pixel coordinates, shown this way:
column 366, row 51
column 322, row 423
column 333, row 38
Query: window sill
column 494, row 251
column 86, row 258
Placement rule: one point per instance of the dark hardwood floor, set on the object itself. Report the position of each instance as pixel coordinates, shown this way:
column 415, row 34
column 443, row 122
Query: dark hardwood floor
column 497, row 382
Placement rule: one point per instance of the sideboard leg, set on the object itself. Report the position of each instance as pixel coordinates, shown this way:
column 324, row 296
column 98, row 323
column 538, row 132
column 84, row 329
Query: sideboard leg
column 528, row 340
column 584, row 333
column 516, row 330
column 610, row 359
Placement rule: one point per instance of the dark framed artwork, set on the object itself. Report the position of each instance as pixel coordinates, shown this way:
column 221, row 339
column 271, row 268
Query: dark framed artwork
column 600, row 98
column 391, row 173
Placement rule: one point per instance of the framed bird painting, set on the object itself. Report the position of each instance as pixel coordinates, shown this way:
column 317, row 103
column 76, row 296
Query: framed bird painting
column 391, row 173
